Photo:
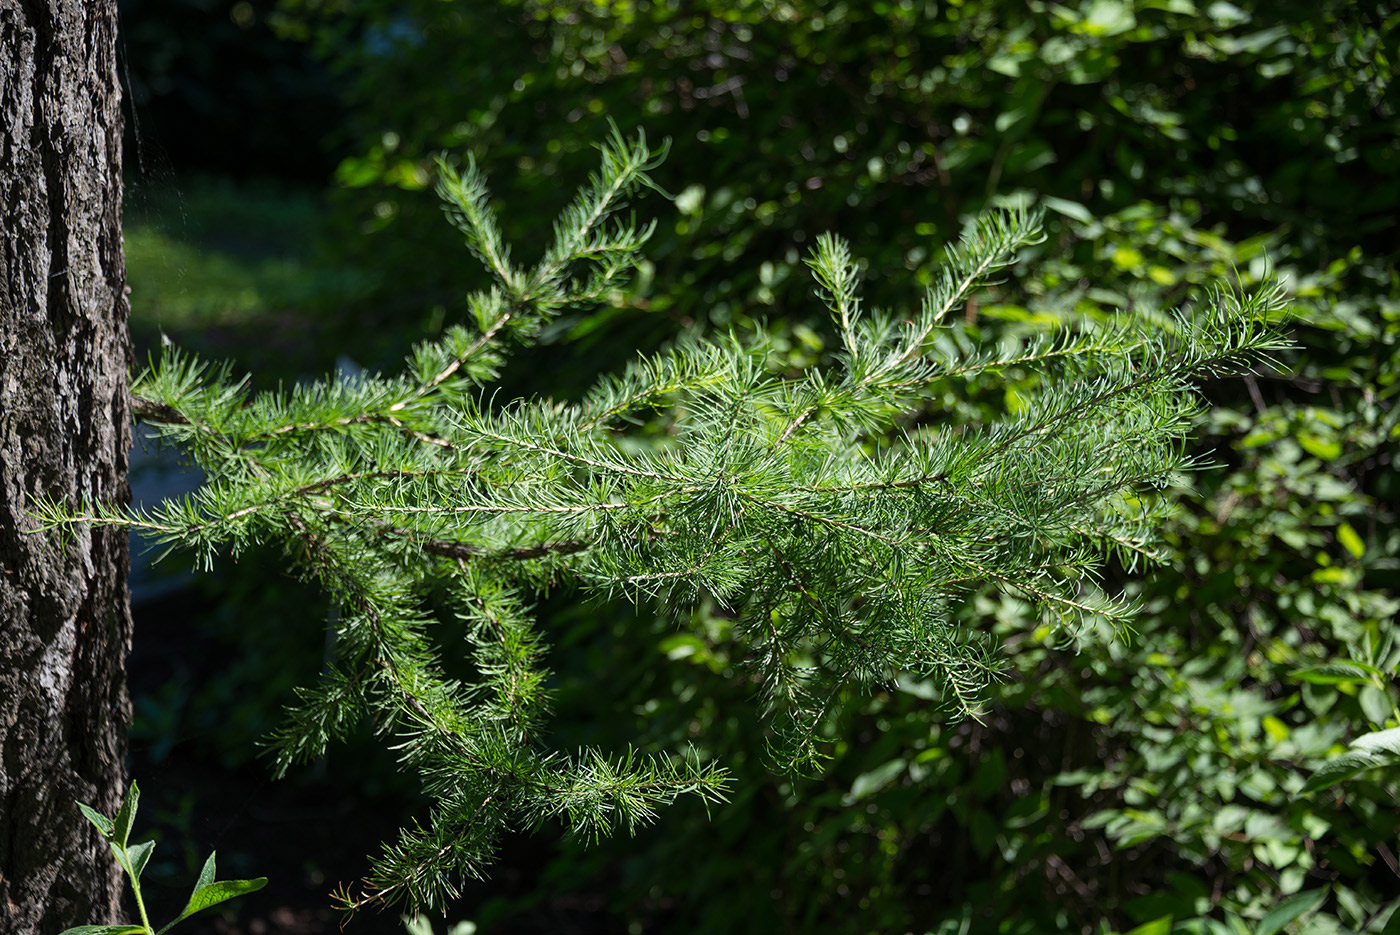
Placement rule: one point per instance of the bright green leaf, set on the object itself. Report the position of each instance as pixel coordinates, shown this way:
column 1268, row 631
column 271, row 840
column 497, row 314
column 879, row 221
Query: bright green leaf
column 105, row 930
column 1156, row 927
column 1276, row 729
column 1347, row 536
column 207, row 872
column 211, row 894
column 1326, row 449
column 1127, row 258
column 358, row 173
column 1345, row 672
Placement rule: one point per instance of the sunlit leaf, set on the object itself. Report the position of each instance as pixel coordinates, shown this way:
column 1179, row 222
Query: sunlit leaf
column 1347, row 536
column 869, row 783
column 1369, row 751
column 1156, row 927
column 209, row 893
column 1345, row 672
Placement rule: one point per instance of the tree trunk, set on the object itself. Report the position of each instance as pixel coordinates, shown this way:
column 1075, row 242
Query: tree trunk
column 65, row 618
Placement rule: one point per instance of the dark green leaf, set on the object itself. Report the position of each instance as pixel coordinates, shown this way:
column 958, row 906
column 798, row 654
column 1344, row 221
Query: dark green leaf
column 126, row 815
column 139, row 854
column 1369, row 751
column 1288, row 910
column 103, row 823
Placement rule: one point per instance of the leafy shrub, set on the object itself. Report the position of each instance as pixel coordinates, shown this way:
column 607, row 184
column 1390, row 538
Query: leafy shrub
column 207, row 893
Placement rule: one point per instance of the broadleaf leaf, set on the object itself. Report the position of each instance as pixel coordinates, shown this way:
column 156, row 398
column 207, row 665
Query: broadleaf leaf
column 121, row 827
column 212, row 894
column 103, row 823
column 1342, row 672
column 1369, row 751
column 139, row 855
column 1291, row 908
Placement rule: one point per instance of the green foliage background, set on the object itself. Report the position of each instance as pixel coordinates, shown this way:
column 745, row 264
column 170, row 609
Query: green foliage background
column 1151, row 782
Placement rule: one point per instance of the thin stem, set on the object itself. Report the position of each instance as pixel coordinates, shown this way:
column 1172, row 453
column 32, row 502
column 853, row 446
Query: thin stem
column 136, row 889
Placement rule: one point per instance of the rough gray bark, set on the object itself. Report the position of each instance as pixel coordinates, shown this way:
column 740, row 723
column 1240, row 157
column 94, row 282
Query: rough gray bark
column 65, row 620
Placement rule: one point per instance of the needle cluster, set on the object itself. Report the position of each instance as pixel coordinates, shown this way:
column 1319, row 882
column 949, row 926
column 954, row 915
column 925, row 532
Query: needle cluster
column 835, row 528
